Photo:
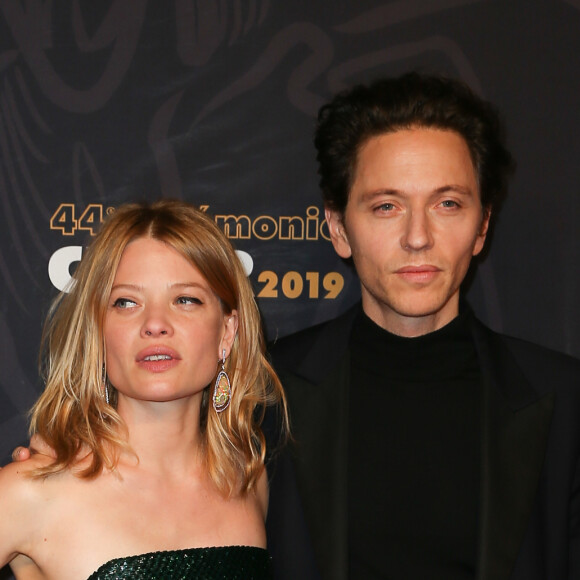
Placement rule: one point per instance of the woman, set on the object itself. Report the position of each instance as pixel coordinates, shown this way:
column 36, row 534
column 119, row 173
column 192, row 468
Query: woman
column 156, row 385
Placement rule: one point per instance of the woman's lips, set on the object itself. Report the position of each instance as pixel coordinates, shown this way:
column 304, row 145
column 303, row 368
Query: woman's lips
column 157, row 359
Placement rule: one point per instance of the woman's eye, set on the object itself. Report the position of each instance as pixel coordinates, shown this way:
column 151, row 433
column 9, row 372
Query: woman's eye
column 124, row 303
column 188, row 300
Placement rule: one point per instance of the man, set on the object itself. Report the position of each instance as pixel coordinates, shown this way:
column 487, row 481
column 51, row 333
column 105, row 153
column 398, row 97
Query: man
column 426, row 446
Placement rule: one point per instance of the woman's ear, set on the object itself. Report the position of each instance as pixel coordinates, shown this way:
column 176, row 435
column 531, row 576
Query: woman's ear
column 229, row 335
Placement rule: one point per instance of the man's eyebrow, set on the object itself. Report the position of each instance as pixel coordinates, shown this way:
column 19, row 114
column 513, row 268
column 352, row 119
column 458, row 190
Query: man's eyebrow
column 448, row 187
column 370, row 195
column 461, row 189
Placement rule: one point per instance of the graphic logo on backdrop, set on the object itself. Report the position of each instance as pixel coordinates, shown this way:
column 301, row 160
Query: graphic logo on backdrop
column 68, row 220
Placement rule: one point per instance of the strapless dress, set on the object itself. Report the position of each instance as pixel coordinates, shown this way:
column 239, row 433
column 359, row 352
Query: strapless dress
column 219, row 563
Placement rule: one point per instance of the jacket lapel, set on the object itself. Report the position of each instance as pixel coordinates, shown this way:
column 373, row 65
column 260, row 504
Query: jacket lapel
column 516, row 422
column 319, row 403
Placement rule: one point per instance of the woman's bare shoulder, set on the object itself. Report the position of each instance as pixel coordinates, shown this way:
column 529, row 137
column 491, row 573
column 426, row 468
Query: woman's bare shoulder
column 17, row 481
column 23, row 469
column 21, row 500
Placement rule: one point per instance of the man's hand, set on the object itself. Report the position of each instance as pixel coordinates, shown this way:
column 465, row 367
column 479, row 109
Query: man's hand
column 37, row 445
column 21, row 454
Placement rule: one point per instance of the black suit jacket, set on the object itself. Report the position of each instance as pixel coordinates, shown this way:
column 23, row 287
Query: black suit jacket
column 529, row 521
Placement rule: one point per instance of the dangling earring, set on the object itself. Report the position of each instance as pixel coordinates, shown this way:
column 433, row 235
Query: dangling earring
column 222, row 392
column 105, row 385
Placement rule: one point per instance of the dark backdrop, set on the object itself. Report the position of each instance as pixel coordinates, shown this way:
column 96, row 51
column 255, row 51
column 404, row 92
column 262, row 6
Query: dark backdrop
column 213, row 101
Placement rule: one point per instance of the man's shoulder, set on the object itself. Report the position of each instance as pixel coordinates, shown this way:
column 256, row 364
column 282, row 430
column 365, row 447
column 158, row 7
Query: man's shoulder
column 296, row 345
column 541, row 365
column 326, row 340
column 528, row 349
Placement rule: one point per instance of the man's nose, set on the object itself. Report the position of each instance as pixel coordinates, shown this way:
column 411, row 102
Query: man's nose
column 417, row 233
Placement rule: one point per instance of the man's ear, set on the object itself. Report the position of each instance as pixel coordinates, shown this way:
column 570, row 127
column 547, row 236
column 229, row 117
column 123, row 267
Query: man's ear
column 335, row 221
column 482, row 233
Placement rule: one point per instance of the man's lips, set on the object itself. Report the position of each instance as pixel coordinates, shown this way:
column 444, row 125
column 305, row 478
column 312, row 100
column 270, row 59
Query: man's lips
column 421, row 273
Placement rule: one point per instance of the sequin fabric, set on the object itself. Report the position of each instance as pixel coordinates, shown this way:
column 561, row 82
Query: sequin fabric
column 220, row 563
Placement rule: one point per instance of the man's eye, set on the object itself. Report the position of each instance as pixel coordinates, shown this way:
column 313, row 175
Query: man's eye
column 124, row 303
column 188, row 300
column 386, row 207
column 449, row 203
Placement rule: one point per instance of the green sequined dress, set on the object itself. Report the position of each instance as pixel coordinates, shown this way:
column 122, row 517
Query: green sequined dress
column 221, row 563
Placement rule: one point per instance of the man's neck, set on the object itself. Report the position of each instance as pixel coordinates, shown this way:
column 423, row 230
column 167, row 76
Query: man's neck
column 409, row 326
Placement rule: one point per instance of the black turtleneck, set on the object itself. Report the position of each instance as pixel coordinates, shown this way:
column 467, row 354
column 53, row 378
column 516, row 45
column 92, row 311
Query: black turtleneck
column 414, row 453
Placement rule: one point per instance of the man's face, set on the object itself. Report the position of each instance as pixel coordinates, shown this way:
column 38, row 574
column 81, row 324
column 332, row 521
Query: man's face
column 412, row 223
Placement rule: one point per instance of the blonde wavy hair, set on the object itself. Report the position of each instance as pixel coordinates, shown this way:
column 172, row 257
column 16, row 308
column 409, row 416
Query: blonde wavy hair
column 72, row 415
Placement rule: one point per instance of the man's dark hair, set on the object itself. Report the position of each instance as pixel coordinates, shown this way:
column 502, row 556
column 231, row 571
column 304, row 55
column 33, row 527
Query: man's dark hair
column 412, row 100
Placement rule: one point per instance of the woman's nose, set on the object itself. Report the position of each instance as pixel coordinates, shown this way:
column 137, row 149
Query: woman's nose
column 157, row 322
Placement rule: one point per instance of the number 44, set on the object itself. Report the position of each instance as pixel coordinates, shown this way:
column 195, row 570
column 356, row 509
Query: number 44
column 64, row 219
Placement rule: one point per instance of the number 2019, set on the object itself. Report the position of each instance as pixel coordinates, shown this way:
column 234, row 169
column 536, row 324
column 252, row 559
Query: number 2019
column 293, row 284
